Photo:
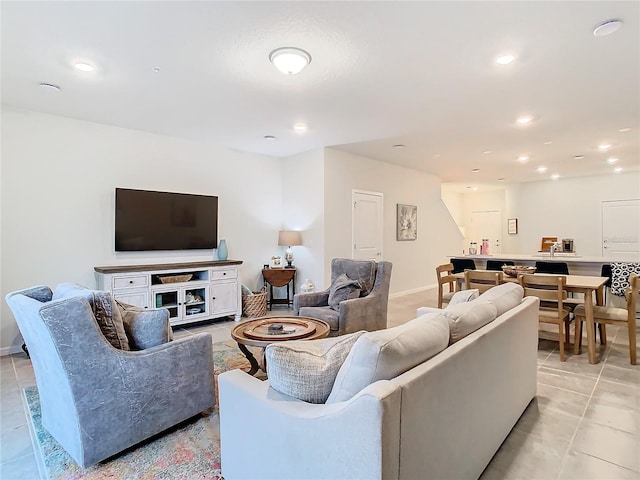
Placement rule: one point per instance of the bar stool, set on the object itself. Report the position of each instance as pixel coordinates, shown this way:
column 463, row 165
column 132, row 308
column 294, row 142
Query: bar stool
column 462, row 264
column 497, row 265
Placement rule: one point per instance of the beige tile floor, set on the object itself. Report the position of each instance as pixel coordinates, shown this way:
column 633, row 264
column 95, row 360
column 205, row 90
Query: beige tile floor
column 583, row 424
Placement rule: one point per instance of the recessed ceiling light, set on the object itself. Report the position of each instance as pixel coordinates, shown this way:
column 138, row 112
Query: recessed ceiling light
column 487, row 152
column 475, row 170
column 505, row 59
column 398, row 146
column 501, row 179
column 624, row 130
column 300, row 127
column 156, row 69
column 524, row 120
column 603, row 147
column 555, row 176
column 84, row 67
column 617, row 169
column 541, row 169
column 611, row 160
column 290, row 60
column 269, row 138
column 548, row 143
column 50, row 87
column 475, row 189
column 523, row 158
column 578, row 157
column 437, row 155
column 607, row 28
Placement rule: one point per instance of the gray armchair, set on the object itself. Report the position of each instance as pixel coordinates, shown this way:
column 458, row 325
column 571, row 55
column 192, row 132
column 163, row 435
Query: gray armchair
column 98, row 400
column 367, row 312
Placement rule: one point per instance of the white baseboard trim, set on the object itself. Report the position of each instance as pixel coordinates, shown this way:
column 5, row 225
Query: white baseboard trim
column 413, row 290
column 10, row 350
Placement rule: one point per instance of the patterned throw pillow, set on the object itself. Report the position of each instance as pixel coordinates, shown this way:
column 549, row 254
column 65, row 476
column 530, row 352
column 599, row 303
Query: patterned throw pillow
column 620, row 276
column 306, row 369
column 343, row 288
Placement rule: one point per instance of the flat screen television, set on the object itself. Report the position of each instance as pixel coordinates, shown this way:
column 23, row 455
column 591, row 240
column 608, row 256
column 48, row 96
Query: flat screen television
column 148, row 220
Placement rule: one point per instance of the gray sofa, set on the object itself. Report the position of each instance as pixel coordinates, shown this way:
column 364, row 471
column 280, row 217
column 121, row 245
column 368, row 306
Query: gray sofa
column 96, row 399
column 443, row 418
column 366, row 312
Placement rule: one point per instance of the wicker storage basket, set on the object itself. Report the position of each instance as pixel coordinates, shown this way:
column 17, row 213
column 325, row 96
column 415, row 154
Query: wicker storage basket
column 255, row 305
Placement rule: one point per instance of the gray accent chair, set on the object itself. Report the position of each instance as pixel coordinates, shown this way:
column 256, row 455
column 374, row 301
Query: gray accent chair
column 97, row 400
column 368, row 312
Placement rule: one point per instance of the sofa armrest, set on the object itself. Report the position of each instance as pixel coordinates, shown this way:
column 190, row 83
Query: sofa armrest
column 313, row 299
column 358, row 438
column 362, row 314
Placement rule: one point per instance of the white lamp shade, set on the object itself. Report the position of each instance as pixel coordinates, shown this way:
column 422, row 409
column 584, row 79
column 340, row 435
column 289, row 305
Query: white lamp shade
column 288, row 238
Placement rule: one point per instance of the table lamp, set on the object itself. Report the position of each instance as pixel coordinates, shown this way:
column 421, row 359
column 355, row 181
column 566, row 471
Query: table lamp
column 289, row 238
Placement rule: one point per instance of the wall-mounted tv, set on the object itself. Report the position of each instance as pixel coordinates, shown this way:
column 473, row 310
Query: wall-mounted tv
column 149, row 220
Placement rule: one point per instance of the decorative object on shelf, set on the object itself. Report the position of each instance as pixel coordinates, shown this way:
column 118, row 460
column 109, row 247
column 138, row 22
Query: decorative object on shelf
column 289, row 238
column 515, row 270
column 512, row 226
column 222, row 250
column 308, row 287
column 175, row 278
column 407, row 222
column 484, row 248
column 276, row 262
column 473, row 248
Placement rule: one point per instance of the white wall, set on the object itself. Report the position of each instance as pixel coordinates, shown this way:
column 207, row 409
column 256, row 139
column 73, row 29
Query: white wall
column 414, row 262
column 303, row 206
column 58, row 182
column 566, row 208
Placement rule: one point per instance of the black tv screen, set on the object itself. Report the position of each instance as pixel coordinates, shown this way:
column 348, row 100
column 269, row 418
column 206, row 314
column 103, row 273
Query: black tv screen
column 148, row 220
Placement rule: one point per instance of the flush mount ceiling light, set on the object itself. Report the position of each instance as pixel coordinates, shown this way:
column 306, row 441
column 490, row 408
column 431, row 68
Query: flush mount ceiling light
column 505, row 59
column 50, row 87
column 84, row 67
column 617, row 169
column 290, row 60
column 524, row 120
column 523, row 158
column 604, row 147
column 611, row 160
column 624, row 130
column 555, row 176
column 607, row 28
column 300, row 127
column 541, row 169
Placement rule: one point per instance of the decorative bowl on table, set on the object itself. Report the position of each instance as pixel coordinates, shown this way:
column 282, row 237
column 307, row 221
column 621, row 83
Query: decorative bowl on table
column 515, row 270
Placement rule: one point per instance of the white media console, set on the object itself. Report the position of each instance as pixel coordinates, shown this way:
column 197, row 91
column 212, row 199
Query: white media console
column 192, row 291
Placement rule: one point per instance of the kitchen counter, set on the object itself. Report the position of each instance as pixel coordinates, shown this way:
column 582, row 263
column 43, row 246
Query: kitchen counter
column 578, row 265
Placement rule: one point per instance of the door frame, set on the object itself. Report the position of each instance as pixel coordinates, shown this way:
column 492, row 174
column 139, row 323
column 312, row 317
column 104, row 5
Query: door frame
column 354, row 192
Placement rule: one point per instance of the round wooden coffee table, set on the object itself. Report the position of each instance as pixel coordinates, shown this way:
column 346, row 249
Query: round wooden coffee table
column 264, row 331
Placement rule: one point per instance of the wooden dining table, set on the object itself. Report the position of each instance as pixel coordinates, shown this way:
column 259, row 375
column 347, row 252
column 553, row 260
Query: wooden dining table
column 584, row 284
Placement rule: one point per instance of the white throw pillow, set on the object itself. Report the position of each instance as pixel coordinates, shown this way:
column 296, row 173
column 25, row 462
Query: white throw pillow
column 504, row 297
column 463, row 296
column 385, row 354
column 306, row 369
column 466, row 318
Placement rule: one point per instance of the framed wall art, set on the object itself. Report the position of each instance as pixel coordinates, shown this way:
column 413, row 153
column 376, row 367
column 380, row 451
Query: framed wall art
column 407, row 222
column 512, row 226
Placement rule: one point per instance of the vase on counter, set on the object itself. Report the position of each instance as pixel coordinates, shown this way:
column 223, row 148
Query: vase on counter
column 222, row 250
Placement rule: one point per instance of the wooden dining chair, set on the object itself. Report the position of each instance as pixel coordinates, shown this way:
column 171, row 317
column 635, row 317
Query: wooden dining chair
column 550, row 288
column 446, row 279
column 483, row 280
column 603, row 315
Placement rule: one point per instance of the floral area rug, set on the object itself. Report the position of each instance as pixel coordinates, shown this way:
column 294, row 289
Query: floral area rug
column 189, row 451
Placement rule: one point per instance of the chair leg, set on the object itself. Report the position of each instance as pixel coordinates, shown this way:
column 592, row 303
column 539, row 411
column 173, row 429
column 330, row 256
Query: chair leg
column 632, row 343
column 577, row 337
column 561, row 340
column 603, row 333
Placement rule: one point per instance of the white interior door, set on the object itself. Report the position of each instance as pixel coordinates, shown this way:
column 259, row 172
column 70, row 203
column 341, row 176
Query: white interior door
column 487, row 224
column 621, row 228
column 367, row 225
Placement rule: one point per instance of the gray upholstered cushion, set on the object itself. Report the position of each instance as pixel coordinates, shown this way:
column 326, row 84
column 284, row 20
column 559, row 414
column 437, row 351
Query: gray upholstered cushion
column 504, row 297
column 104, row 309
column 327, row 314
column 145, row 328
column 385, row 354
column 465, row 318
column 306, row 369
column 343, row 288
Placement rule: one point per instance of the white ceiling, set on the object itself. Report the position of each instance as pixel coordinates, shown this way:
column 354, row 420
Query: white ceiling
column 420, row 74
